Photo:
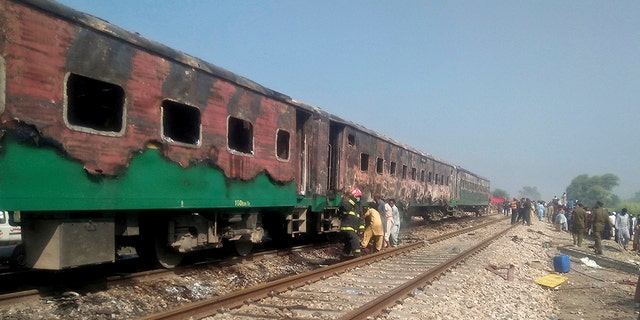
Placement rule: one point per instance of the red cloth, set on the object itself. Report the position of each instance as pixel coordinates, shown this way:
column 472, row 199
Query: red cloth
column 496, row 200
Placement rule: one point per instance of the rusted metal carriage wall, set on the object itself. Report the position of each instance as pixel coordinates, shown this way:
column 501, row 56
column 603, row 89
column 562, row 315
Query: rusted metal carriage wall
column 45, row 51
column 414, row 179
column 443, row 191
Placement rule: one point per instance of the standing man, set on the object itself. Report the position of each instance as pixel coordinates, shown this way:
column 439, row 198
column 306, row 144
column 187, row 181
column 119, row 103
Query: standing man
column 561, row 221
column 521, row 210
column 539, row 209
column 636, row 234
column 549, row 212
column 527, row 210
column 532, row 211
column 514, row 210
column 622, row 228
column 388, row 214
column 395, row 231
column 506, row 207
column 352, row 223
column 381, row 209
column 578, row 218
column 598, row 219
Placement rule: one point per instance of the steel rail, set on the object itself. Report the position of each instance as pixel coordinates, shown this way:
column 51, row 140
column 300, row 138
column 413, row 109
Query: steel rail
column 147, row 275
column 377, row 306
column 461, row 231
column 204, row 308
column 17, row 297
column 208, row 307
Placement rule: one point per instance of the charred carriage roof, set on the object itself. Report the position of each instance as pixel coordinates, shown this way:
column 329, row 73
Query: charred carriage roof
column 143, row 43
column 461, row 169
column 154, row 47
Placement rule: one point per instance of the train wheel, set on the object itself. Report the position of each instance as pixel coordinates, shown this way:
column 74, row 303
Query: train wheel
column 153, row 247
column 243, row 247
column 167, row 257
column 18, row 257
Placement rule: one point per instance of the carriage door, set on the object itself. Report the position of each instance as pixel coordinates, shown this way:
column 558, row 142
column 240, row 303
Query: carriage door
column 336, row 132
column 303, row 125
column 455, row 174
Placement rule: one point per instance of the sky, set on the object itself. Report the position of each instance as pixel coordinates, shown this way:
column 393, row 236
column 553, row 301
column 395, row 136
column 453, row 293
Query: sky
column 524, row 93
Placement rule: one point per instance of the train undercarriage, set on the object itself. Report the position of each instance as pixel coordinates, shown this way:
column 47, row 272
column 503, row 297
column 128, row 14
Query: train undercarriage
column 161, row 238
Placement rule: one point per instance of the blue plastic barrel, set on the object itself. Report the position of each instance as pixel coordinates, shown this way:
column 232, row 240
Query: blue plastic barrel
column 561, row 263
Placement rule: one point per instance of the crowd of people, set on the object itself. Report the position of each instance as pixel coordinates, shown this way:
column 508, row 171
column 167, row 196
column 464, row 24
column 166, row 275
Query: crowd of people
column 572, row 216
column 369, row 227
column 374, row 226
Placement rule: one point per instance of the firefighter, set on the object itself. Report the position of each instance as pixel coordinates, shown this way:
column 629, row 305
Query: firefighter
column 352, row 223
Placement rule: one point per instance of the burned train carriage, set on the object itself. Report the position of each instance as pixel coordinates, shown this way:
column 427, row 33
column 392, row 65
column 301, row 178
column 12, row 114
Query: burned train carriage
column 110, row 140
column 422, row 184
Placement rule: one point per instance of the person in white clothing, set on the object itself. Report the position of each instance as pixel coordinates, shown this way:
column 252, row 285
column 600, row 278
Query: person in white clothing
column 561, row 221
column 395, row 230
column 622, row 228
column 612, row 225
column 388, row 215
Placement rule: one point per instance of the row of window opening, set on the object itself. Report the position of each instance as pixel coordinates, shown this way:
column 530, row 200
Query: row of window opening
column 468, row 185
column 404, row 173
column 98, row 107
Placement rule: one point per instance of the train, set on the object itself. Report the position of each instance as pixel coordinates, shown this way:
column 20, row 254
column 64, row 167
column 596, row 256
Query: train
column 109, row 140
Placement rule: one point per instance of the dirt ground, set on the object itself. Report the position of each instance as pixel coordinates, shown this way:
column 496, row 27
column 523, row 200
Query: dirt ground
column 594, row 292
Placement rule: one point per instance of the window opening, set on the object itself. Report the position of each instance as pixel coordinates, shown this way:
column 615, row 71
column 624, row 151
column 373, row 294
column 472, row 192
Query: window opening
column 240, row 135
column 437, row 181
column 404, row 172
column 364, row 162
column 282, row 144
column 422, row 175
column 379, row 165
column 430, row 176
column 351, row 140
column 392, row 168
column 413, row 173
column 180, row 122
column 94, row 104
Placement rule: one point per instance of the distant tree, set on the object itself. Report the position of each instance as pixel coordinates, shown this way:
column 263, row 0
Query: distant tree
column 632, row 207
column 530, row 192
column 635, row 198
column 588, row 190
column 614, row 200
column 499, row 193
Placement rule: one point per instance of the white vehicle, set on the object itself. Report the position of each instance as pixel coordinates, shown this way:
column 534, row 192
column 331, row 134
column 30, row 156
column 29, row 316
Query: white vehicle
column 11, row 250
column 9, row 235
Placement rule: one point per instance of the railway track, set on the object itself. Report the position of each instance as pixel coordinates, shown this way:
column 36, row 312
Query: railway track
column 99, row 280
column 353, row 289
